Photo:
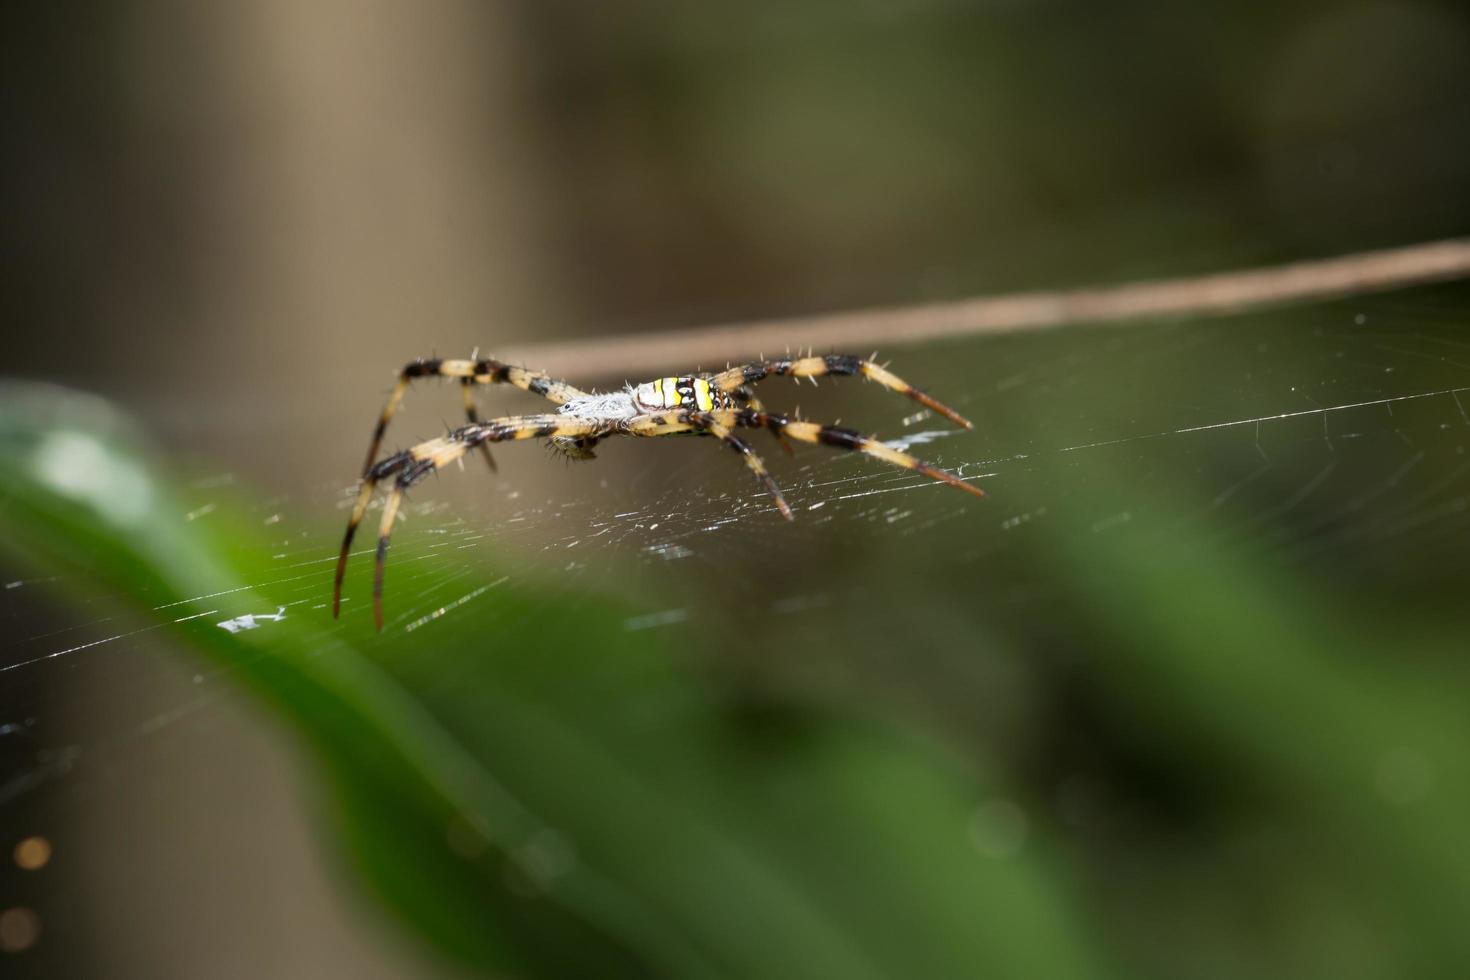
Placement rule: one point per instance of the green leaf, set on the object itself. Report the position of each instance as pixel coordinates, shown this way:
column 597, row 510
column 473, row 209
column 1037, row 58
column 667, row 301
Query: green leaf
column 554, row 795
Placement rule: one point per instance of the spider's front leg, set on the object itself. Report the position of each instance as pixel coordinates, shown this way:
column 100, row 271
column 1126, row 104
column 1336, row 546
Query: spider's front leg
column 412, row 465
column 735, row 378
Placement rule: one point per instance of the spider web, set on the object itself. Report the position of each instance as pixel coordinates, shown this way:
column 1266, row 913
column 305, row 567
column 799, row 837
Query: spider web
column 1329, row 441
column 1344, row 432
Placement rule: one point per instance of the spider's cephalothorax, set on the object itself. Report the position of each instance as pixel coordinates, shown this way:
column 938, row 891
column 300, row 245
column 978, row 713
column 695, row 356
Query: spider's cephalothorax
column 705, row 404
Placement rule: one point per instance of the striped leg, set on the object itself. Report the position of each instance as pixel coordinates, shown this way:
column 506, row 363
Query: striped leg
column 472, row 413
column 479, row 371
column 734, row 378
column 412, row 465
column 839, row 438
column 718, row 425
column 745, row 395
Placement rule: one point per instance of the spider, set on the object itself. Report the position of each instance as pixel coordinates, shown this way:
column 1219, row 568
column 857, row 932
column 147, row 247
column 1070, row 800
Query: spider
column 699, row 404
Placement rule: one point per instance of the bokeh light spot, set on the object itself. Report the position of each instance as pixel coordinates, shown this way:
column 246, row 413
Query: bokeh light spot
column 19, row 929
column 33, row 853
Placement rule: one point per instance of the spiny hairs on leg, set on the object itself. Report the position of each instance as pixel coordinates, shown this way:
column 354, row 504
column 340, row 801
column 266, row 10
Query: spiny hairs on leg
column 838, row 364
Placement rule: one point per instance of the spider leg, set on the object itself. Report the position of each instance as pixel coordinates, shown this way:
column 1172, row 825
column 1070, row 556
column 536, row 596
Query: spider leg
column 473, row 415
column 734, row 378
column 483, row 371
column 412, row 465
column 840, row 438
column 745, row 394
column 683, row 420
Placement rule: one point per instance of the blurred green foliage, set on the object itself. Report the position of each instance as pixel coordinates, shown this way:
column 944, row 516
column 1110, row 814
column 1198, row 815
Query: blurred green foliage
column 561, row 799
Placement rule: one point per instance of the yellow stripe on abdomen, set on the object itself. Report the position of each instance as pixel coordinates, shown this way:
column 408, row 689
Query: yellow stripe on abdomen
column 702, row 396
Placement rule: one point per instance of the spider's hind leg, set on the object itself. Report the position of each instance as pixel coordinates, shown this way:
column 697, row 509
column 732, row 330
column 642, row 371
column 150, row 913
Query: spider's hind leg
column 412, row 465
column 388, row 467
column 472, row 414
column 477, row 371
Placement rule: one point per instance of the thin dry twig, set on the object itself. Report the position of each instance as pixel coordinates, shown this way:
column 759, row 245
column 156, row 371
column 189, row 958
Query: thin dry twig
column 1211, row 295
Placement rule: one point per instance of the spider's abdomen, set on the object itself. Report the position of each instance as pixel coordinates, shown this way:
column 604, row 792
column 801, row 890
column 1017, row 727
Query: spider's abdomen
column 695, row 394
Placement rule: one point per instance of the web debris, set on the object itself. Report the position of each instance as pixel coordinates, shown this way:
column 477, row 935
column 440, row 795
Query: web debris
column 251, row 621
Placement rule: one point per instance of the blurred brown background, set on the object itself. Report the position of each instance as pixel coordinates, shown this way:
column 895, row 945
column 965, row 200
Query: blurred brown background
column 257, row 200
